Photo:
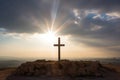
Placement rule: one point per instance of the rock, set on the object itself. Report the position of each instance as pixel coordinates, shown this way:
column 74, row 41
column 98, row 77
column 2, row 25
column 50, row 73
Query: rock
column 62, row 68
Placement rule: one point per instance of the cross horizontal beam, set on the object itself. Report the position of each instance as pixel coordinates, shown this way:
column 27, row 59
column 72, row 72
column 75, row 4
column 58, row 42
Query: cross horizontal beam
column 59, row 45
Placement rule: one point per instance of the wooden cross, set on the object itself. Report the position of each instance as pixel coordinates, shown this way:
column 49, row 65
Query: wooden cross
column 59, row 45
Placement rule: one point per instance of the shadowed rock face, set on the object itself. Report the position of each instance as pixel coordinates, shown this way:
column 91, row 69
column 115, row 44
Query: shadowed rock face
column 62, row 68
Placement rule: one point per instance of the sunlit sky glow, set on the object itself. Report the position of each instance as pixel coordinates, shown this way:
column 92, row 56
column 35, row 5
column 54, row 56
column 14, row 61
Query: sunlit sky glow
column 29, row 28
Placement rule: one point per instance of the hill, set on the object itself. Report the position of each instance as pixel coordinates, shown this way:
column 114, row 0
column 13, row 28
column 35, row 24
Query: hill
column 64, row 70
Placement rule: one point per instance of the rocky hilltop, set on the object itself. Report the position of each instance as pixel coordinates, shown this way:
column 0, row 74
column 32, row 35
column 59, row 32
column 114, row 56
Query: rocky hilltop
column 62, row 68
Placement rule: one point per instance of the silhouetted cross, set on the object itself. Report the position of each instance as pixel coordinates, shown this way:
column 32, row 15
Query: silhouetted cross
column 59, row 45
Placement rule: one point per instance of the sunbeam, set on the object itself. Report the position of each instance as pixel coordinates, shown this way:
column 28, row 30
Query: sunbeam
column 63, row 25
column 54, row 12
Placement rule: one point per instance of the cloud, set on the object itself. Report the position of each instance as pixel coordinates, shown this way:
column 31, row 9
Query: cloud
column 2, row 30
column 91, row 20
column 107, row 5
column 96, row 25
column 15, row 16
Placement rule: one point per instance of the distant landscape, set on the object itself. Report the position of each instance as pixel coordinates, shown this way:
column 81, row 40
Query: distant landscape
column 6, row 62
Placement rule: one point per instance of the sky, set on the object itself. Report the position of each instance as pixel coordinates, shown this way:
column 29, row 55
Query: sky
column 88, row 28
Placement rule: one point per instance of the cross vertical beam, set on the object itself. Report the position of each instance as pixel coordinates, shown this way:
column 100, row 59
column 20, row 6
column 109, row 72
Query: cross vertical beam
column 59, row 48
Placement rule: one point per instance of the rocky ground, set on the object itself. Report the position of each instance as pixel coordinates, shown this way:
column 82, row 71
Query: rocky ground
column 4, row 73
column 64, row 70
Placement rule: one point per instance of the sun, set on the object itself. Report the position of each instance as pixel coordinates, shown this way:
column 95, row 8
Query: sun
column 49, row 36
